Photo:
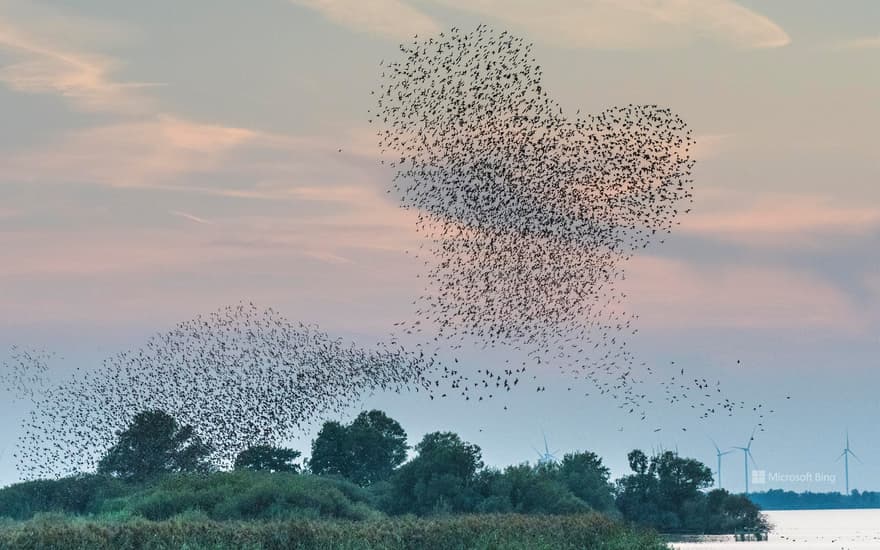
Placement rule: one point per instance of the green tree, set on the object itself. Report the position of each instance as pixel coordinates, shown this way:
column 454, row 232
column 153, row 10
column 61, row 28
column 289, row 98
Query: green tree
column 155, row 444
column 638, row 461
column 533, row 490
column 584, row 474
column 728, row 512
column 666, row 492
column 440, row 479
column 365, row 451
column 679, row 479
column 331, row 451
column 267, row 458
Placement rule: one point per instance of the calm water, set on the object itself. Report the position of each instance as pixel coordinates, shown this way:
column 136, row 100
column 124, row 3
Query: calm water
column 814, row 529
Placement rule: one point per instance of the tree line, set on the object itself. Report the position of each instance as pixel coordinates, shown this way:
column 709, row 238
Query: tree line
column 778, row 499
column 446, row 476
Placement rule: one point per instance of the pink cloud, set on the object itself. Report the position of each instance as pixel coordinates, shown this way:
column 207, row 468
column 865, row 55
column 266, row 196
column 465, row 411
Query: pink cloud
column 624, row 24
column 864, row 43
column 160, row 151
column 394, row 18
column 710, row 145
column 128, row 154
column 362, row 220
column 349, row 276
column 676, row 295
column 42, row 254
column 780, row 218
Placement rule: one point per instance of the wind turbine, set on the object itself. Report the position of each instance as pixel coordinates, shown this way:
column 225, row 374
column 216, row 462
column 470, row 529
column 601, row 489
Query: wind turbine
column 845, row 455
column 546, row 457
column 719, row 454
column 747, row 454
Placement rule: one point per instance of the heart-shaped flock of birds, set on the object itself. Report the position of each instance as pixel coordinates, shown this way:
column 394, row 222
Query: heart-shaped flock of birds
column 528, row 219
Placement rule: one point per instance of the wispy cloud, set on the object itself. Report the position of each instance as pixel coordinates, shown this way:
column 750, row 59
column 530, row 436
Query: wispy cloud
column 327, row 257
column 146, row 145
column 190, row 217
column 624, row 24
column 674, row 294
column 133, row 154
column 864, row 43
column 44, row 66
column 364, row 225
column 392, row 18
column 781, row 218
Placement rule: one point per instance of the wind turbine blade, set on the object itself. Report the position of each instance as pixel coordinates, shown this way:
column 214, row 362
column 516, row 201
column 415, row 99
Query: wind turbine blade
column 538, row 452
column 717, row 449
column 855, row 457
column 752, row 457
column 752, row 438
column 728, row 452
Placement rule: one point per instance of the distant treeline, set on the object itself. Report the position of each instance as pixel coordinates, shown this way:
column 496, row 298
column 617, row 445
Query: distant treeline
column 161, row 471
column 777, row 499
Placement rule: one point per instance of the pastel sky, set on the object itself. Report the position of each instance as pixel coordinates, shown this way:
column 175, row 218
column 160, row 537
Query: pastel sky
column 161, row 159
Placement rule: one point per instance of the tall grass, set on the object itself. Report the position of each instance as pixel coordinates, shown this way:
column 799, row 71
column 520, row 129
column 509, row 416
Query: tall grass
column 259, row 510
column 516, row 532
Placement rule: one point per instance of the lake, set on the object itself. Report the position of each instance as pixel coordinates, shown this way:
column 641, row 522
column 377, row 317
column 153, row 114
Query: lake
column 815, row 529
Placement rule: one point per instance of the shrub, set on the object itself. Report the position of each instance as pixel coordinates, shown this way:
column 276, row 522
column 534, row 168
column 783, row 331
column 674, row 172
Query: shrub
column 245, row 495
column 77, row 495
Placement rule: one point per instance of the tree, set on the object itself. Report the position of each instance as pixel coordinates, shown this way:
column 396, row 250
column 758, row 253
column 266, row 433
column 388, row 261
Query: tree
column 666, row 492
column 588, row 479
column 638, row 461
column 527, row 489
column 365, row 451
column 267, row 458
column 679, row 479
column 730, row 512
column 152, row 445
column 440, row 479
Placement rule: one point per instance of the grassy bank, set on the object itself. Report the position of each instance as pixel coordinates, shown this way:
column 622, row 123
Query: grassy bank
column 582, row 532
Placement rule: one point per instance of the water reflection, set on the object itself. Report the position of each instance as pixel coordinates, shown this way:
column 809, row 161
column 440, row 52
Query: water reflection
column 812, row 529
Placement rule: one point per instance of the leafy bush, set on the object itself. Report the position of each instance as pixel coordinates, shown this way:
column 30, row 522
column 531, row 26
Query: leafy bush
column 221, row 496
column 77, row 495
column 526, row 489
column 244, row 495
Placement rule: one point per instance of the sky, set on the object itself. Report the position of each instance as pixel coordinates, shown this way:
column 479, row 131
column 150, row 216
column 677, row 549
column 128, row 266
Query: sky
column 162, row 159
